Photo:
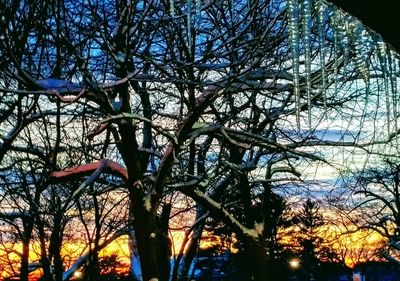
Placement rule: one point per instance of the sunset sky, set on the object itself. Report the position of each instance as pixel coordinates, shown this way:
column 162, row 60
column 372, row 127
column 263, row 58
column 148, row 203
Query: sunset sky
column 354, row 248
column 216, row 119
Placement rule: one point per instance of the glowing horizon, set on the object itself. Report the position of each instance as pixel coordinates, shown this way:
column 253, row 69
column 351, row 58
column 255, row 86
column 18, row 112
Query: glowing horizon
column 352, row 242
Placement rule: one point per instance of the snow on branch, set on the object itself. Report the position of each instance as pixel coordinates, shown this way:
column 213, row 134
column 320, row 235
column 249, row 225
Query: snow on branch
column 57, row 84
column 220, row 212
column 14, row 215
column 93, row 169
column 67, row 91
column 247, row 140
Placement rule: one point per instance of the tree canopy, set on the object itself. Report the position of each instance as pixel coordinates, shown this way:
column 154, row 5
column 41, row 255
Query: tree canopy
column 112, row 110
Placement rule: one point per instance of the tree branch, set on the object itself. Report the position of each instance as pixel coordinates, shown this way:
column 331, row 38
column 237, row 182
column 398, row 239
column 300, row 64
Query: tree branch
column 105, row 165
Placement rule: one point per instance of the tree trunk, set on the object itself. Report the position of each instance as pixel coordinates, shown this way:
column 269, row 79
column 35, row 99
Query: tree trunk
column 153, row 243
column 93, row 271
column 56, row 241
column 164, row 244
column 146, row 232
column 254, row 262
column 44, row 260
column 190, row 254
column 28, row 225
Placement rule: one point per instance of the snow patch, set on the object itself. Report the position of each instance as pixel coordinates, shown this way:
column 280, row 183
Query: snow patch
column 259, row 228
column 147, row 203
column 124, row 29
column 57, row 84
column 115, row 31
column 116, row 104
column 136, row 270
column 121, row 57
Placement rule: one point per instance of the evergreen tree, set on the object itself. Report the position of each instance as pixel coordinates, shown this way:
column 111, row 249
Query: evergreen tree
column 309, row 219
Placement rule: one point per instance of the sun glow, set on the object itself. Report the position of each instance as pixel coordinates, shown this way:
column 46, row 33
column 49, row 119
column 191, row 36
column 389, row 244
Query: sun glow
column 294, row 263
column 78, row 274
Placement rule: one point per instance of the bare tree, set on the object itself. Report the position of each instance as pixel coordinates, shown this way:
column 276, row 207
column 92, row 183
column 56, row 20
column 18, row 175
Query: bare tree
column 375, row 202
column 206, row 99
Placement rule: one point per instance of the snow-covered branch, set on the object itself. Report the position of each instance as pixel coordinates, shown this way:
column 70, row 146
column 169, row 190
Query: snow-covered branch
column 218, row 211
column 14, row 215
column 104, row 165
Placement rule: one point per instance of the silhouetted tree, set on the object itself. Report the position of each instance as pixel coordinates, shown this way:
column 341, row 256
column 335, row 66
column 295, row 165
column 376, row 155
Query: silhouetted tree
column 374, row 204
column 158, row 97
column 309, row 220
